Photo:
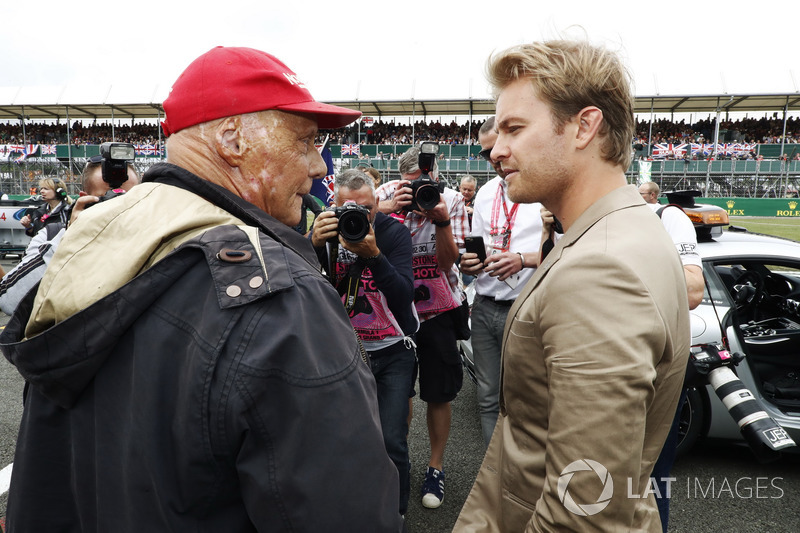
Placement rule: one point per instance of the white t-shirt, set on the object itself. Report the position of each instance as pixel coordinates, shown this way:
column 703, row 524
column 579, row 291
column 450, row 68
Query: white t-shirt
column 681, row 230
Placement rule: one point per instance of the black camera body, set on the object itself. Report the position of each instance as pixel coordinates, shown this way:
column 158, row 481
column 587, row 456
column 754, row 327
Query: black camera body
column 425, row 191
column 354, row 223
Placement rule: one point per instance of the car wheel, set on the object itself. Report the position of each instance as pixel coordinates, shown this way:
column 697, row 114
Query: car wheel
column 692, row 421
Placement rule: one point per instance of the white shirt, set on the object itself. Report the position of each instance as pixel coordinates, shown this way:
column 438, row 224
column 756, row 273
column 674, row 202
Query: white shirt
column 526, row 236
column 681, row 231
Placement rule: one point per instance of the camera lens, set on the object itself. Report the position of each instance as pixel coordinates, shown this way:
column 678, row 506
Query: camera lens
column 353, row 225
column 427, row 196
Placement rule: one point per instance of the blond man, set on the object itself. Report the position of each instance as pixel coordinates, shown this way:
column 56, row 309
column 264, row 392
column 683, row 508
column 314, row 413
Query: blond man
column 595, row 346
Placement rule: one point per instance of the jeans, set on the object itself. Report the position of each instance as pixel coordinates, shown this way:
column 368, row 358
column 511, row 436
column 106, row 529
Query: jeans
column 488, row 322
column 393, row 375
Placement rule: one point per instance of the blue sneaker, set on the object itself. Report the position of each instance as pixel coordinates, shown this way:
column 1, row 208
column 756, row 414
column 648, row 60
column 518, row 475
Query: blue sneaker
column 433, row 488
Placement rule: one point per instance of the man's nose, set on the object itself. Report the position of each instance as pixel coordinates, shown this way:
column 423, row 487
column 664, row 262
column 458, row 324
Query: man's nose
column 318, row 168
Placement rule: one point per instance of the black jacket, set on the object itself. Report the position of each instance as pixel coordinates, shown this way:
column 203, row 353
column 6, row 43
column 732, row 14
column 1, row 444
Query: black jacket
column 211, row 392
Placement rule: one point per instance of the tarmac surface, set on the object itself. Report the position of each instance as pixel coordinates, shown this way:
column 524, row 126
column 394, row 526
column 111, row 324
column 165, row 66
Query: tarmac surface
column 718, row 487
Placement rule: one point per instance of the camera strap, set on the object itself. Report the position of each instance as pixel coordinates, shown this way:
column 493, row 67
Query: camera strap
column 333, row 253
column 349, row 285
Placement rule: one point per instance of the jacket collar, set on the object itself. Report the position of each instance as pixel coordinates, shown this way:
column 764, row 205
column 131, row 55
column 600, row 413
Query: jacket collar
column 176, row 176
column 618, row 199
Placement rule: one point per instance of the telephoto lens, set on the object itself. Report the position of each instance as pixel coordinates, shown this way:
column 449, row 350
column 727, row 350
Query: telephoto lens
column 765, row 436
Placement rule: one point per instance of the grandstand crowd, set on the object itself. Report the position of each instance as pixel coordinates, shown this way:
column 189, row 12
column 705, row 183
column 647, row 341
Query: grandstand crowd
column 750, row 130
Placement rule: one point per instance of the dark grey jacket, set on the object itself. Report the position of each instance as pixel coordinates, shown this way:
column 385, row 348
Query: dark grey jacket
column 211, row 392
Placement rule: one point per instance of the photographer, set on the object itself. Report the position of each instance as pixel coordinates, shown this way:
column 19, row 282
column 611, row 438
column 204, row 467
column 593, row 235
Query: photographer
column 437, row 234
column 376, row 283
column 95, row 187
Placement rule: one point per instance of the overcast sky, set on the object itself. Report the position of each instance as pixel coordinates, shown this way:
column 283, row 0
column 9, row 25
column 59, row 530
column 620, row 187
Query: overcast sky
column 388, row 50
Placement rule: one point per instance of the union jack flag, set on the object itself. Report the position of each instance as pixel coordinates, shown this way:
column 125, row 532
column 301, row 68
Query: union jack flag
column 25, row 151
column 663, row 149
column 48, row 149
column 144, row 149
column 323, row 189
column 351, row 149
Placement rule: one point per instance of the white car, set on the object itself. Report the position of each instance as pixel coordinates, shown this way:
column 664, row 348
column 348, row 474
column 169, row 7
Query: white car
column 752, row 299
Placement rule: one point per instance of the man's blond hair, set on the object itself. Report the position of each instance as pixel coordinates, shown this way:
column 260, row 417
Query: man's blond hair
column 569, row 76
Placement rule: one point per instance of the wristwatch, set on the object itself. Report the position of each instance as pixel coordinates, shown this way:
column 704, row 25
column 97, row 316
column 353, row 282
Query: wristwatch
column 372, row 261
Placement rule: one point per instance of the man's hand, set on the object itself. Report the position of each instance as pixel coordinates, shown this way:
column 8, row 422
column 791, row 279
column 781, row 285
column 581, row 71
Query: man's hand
column 470, row 264
column 80, row 204
column 440, row 213
column 402, row 197
column 325, row 227
column 503, row 265
column 365, row 248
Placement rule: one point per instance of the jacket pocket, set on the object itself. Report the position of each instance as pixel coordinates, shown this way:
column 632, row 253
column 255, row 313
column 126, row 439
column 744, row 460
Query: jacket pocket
column 525, row 329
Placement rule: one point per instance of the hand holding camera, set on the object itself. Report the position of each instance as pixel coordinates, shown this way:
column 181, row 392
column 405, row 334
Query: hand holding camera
column 349, row 221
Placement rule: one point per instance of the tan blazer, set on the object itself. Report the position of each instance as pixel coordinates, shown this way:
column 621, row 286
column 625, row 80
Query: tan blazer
column 594, row 353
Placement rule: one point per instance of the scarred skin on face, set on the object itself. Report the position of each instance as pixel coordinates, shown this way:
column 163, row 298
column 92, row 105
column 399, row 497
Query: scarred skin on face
column 267, row 158
column 280, row 162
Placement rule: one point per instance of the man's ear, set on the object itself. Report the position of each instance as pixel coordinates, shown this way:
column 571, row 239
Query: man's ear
column 589, row 121
column 228, row 140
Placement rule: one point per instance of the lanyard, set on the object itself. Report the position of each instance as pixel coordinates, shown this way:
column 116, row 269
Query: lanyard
column 510, row 217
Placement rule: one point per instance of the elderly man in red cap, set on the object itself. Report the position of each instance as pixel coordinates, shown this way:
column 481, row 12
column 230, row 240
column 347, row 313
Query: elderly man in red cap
column 189, row 368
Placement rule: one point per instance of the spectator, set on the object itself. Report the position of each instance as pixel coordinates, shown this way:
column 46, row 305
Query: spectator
column 54, row 210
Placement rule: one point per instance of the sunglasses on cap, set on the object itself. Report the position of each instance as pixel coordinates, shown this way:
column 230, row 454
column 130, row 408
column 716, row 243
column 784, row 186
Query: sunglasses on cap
column 95, row 159
column 486, row 154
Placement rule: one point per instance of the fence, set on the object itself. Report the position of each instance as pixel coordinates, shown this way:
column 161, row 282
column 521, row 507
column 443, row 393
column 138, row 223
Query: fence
column 725, row 178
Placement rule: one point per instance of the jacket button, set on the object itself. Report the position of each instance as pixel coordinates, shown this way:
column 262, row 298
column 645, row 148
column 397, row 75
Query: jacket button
column 256, row 282
column 233, row 291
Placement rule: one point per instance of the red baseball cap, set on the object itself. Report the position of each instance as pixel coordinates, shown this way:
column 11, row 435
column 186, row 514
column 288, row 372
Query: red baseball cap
column 227, row 81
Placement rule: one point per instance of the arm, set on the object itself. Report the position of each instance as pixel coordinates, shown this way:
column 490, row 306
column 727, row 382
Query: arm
column 449, row 238
column 393, row 274
column 695, row 284
column 681, row 231
column 601, row 391
column 393, row 196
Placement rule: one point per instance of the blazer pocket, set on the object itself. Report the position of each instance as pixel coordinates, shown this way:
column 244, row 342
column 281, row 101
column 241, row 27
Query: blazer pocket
column 525, row 329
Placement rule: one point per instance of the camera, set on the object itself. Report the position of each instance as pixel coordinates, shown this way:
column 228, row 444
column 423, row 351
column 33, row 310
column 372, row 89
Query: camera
column 425, row 191
column 763, row 434
column 116, row 157
column 353, row 221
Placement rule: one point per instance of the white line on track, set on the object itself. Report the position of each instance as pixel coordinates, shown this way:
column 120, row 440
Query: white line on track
column 5, row 478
